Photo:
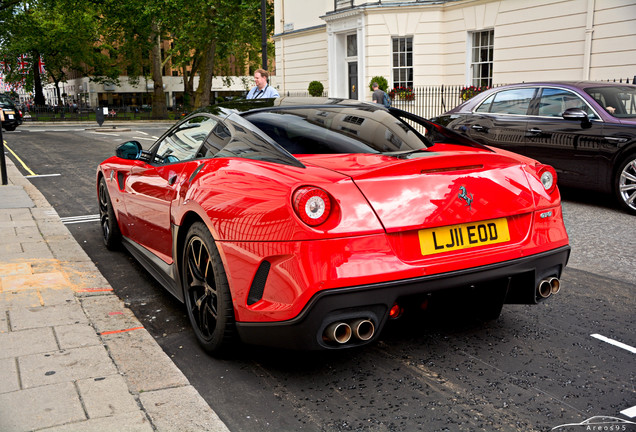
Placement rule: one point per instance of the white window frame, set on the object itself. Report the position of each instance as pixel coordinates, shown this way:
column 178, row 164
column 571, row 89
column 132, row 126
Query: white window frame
column 400, row 66
column 484, row 51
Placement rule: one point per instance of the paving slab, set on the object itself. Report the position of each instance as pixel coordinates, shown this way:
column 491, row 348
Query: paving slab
column 9, row 376
column 18, row 300
column 177, row 408
column 106, row 396
column 66, row 249
column 53, row 297
column 35, row 281
column 9, row 250
column 109, row 314
column 35, row 317
column 84, row 275
column 142, row 361
column 76, row 336
column 128, row 422
column 14, row 197
column 26, row 342
column 65, row 366
column 41, row 407
column 34, row 250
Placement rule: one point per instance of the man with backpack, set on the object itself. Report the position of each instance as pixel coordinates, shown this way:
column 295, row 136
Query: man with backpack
column 380, row 96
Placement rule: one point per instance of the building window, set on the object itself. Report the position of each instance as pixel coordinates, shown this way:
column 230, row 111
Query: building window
column 343, row 4
column 352, row 45
column 402, row 62
column 481, row 58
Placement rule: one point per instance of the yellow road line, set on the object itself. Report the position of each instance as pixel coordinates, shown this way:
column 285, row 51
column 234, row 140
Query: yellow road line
column 19, row 160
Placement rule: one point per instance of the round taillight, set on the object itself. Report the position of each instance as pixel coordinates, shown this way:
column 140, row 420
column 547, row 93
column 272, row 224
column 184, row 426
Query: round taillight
column 548, row 177
column 312, row 205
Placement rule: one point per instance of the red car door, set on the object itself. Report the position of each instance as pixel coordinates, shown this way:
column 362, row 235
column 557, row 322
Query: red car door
column 153, row 187
column 150, row 192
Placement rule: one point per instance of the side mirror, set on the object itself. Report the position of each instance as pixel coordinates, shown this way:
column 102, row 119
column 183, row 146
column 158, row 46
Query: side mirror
column 575, row 114
column 129, row 150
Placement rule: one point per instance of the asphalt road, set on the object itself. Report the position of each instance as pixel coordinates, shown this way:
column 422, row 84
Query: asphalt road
column 535, row 368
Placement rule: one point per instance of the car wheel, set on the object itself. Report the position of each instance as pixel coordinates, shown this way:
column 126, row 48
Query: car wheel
column 206, row 290
column 625, row 183
column 107, row 219
column 9, row 128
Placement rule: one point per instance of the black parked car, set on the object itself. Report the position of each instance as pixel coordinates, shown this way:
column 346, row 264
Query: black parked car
column 586, row 130
column 12, row 115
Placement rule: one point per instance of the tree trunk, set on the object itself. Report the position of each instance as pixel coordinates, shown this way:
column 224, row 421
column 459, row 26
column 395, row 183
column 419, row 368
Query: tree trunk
column 188, row 81
column 202, row 95
column 187, row 89
column 159, row 109
column 38, row 99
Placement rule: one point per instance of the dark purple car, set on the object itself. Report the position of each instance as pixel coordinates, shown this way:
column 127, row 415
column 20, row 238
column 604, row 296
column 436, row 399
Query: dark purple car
column 586, row 130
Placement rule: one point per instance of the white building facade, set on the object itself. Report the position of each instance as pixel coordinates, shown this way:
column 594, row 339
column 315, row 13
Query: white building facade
column 90, row 94
column 345, row 43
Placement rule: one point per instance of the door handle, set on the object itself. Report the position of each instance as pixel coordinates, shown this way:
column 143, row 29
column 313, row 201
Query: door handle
column 535, row 131
column 172, row 179
column 479, row 128
column 615, row 140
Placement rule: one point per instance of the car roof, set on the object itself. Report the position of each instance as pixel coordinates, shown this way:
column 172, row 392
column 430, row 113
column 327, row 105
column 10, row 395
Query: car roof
column 575, row 84
column 224, row 109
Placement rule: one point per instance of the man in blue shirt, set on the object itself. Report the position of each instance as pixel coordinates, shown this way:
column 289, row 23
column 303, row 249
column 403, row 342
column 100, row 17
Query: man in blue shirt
column 262, row 90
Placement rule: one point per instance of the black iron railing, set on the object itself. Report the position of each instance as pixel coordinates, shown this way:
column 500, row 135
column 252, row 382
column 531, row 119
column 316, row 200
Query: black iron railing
column 425, row 101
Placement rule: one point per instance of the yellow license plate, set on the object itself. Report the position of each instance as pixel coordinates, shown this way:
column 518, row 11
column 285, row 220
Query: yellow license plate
column 463, row 236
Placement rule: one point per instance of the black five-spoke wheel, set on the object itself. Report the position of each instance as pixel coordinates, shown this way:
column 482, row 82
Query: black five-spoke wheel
column 207, row 294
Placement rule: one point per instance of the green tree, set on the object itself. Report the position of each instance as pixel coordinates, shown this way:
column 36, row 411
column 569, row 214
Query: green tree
column 132, row 31
column 63, row 33
column 108, row 38
column 212, row 35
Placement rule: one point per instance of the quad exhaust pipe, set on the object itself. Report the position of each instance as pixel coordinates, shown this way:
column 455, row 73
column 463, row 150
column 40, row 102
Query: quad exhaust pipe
column 363, row 329
column 338, row 332
column 341, row 332
column 549, row 286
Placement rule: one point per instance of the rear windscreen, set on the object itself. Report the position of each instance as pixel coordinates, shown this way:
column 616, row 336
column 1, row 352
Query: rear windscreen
column 337, row 130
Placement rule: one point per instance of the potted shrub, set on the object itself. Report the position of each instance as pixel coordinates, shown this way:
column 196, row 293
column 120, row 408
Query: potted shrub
column 383, row 84
column 316, row 88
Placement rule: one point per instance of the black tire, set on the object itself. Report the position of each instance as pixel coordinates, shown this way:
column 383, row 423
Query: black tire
column 207, row 292
column 625, row 183
column 9, row 128
column 107, row 219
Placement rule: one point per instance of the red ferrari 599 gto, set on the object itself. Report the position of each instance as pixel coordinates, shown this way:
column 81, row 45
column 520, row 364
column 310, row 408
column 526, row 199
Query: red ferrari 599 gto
column 308, row 223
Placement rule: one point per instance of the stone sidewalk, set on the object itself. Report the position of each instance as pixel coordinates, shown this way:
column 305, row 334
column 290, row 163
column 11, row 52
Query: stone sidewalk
column 72, row 356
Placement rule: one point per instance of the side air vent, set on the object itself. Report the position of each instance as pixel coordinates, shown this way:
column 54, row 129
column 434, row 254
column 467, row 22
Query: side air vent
column 258, row 284
column 120, row 180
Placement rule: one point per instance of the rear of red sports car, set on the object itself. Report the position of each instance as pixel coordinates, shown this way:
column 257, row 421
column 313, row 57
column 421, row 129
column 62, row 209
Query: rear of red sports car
column 378, row 210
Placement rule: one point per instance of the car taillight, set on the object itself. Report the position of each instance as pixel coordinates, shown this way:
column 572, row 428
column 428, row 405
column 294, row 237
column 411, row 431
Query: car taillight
column 548, row 177
column 312, row 205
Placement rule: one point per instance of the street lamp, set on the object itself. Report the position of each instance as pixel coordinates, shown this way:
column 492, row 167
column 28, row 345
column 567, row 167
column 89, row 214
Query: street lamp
column 264, row 33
